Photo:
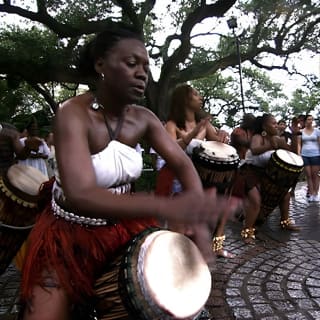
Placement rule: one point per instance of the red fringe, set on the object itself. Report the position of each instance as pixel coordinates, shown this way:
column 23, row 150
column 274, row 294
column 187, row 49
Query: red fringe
column 77, row 254
column 164, row 182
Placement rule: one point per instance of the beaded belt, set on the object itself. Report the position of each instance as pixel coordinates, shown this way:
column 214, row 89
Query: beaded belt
column 73, row 218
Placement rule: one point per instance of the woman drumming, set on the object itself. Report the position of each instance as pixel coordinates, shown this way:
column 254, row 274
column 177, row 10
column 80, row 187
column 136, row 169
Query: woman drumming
column 186, row 123
column 244, row 185
column 309, row 149
column 92, row 215
column 263, row 143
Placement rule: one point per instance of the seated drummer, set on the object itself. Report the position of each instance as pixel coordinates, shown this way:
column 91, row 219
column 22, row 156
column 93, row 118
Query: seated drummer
column 11, row 148
column 244, row 185
column 187, row 123
column 264, row 142
column 241, row 136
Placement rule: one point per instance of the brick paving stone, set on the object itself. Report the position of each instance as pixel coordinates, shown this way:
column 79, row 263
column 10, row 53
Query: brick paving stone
column 279, row 276
column 276, row 278
column 9, row 288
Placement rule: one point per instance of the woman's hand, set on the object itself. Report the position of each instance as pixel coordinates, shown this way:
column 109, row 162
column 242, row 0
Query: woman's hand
column 196, row 215
column 224, row 136
column 274, row 142
column 198, row 132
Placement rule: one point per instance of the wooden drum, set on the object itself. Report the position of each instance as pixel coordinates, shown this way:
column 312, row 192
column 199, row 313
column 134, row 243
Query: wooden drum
column 19, row 195
column 282, row 172
column 162, row 275
column 216, row 163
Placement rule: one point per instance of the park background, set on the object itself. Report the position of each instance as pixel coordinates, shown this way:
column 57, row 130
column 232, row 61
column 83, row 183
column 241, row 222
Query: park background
column 269, row 61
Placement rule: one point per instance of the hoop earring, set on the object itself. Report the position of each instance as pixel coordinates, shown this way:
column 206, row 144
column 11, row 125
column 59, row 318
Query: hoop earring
column 263, row 133
column 102, row 76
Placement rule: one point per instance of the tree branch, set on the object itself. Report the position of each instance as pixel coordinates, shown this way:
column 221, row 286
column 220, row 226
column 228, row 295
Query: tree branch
column 46, row 94
column 218, row 9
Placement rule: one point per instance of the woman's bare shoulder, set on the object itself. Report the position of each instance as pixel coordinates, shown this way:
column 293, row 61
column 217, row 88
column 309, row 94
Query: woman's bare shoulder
column 75, row 102
column 75, row 106
column 141, row 110
column 171, row 124
column 257, row 137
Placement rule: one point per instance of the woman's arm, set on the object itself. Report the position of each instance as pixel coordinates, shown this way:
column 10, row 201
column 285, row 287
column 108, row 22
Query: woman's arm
column 299, row 145
column 184, row 138
column 165, row 143
column 172, row 129
column 258, row 147
column 212, row 133
column 83, row 194
column 318, row 135
column 194, row 207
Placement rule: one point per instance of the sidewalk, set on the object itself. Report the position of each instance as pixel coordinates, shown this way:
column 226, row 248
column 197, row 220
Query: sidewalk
column 277, row 278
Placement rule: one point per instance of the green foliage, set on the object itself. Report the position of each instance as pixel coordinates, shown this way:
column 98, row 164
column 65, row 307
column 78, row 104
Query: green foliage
column 12, row 99
column 19, row 102
column 226, row 46
column 147, row 180
column 262, row 92
column 221, row 94
column 78, row 12
column 268, row 29
column 179, row 11
column 305, row 101
column 32, row 46
column 44, row 122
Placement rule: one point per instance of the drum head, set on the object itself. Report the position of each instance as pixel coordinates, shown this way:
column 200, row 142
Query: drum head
column 219, row 151
column 289, row 157
column 26, row 178
column 175, row 274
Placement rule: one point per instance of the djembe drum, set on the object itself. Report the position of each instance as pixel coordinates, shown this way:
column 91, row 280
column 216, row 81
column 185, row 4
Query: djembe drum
column 161, row 275
column 217, row 164
column 281, row 173
column 19, row 195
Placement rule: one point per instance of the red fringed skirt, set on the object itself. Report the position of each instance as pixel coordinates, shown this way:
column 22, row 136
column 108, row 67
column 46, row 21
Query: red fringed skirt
column 164, row 182
column 76, row 254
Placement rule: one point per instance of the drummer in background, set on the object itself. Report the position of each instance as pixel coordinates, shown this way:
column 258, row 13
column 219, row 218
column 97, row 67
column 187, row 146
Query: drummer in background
column 12, row 151
column 95, row 137
column 282, row 132
column 264, row 142
column 295, row 123
column 244, row 185
column 301, row 121
column 11, row 148
column 309, row 149
column 51, row 162
column 36, row 158
column 240, row 137
column 186, row 122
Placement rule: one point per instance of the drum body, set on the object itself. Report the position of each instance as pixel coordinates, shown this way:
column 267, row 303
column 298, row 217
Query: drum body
column 19, row 189
column 217, row 164
column 162, row 275
column 282, row 172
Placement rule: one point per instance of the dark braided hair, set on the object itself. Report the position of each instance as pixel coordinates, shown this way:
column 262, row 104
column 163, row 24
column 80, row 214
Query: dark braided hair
column 100, row 45
column 260, row 122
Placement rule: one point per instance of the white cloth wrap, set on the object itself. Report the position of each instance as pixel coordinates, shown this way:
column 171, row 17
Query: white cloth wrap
column 115, row 168
column 259, row 160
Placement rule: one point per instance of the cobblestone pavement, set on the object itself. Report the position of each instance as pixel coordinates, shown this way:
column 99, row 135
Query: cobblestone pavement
column 277, row 278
